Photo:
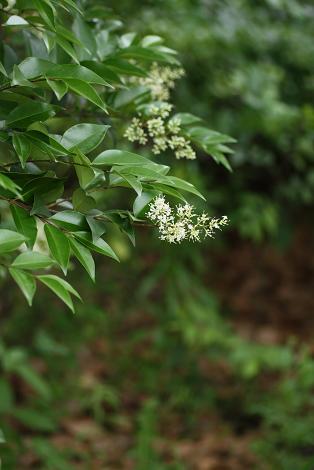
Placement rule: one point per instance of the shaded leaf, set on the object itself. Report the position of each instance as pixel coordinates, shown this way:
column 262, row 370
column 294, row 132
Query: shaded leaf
column 84, row 257
column 26, row 283
column 22, row 147
column 9, row 240
column 141, row 202
column 46, row 12
column 81, row 202
column 85, row 136
column 61, row 288
column 58, row 87
column 67, row 47
column 58, row 245
column 25, row 114
column 25, row 224
column 70, row 220
column 97, row 227
column 120, row 157
column 83, row 169
column 34, row 419
column 100, row 246
column 9, row 185
column 32, row 260
column 87, row 91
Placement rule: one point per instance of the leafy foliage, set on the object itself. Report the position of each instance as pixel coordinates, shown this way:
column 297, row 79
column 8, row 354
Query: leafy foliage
column 152, row 356
column 255, row 86
column 67, row 84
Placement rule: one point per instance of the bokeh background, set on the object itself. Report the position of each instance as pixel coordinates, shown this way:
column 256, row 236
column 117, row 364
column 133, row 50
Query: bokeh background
column 199, row 356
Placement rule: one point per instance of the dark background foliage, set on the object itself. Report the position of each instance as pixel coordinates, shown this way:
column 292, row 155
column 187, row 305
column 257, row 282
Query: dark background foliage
column 198, row 356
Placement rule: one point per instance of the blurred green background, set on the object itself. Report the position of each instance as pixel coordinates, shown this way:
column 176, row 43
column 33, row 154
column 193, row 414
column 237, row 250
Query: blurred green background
column 197, row 356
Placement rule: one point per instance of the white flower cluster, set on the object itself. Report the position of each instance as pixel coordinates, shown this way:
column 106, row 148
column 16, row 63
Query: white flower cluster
column 182, row 147
column 164, row 134
column 161, row 80
column 182, row 223
column 161, row 109
column 158, row 127
column 135, row 132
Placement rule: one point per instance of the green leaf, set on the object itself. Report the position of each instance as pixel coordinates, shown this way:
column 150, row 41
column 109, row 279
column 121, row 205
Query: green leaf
column 81, row 202
column 18, row 78
column 3, row 70
column 67, row 47
column 58, row 87
column 85, row 136
column 211, row 142
column 59, row 246
column 46, row 143
column 70, row 220
column 22, row 147
column 130, row 97
column 143, row 172
column 49, row 39
column 141, row 202
column 48, row 452
column 132, row 181
column 35, row 419
column 120, row 157
column 100, row 246
column 4, row 135
column 124, row 67
column 2, row 437
column 61, row 282
column 145, row 53
column 7, row 397
column 23, row 115
column 83, row 169
column 102, row 71
column 86, row 35
column 71, row 4
column 179, row 183
column 9, row 240
column 32, row 260
column 26, row 283
column 61, row 288
column 97, row 227
column 67, row 34
column 46, row 12
column 45, row 188
column 124, row 222
column 25, row 224
column 87, row 91
column 34, row 67
column 34, row 380
column 162, row 188
column 187, row 119
column 9, row 185
column 84, row 257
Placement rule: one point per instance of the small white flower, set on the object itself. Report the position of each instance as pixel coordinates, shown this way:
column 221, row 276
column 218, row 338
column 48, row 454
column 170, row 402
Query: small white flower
column 160, row 81
column 155, row 127
column 184, row 223
column 160, row 210
column 160, row 144
column 186, row 211
column 135, row 132
column 176, row 142
column 174, row 125
column 162, row 110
